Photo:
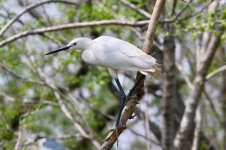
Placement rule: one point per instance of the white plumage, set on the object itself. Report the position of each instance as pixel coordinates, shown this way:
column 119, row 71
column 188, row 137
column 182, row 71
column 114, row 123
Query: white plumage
column 115, row 54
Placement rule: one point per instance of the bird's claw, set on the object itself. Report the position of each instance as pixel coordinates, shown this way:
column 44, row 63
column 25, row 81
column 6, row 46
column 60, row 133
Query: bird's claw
column 131, row 117
column 131, row 97
column 111, row 132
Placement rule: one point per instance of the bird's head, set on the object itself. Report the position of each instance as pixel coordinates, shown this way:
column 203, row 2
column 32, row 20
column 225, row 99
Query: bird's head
column 81, row 43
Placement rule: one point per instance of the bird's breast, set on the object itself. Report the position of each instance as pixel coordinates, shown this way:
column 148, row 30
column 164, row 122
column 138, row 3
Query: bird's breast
column 89, row 57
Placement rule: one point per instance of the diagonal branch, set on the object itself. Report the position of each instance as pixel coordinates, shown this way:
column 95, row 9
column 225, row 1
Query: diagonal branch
column 195, row 13
column 80, row 125
column 215, row 72
column 134, row 99
column 32, row 6
column 134, row 7
column 64, row 109
column 19, row 77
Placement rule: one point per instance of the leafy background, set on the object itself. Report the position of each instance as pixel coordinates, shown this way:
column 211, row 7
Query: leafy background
column 29, row 106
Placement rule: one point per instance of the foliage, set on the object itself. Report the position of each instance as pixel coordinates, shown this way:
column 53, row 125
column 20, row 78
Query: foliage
column 29, row 104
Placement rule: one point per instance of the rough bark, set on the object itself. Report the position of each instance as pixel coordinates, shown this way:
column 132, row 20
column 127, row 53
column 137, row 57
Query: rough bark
column 168, row 91
column 224, row 104
column 131, row 105
column 195, row 93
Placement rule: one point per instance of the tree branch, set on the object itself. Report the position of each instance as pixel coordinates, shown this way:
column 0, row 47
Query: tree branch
column 134, row 7
column 215, row 72
column 195, row 143
column 82, row 128
column 204, row 63
column 131, row 104
column 32, row 6
column 19, row 77
column 169, row 90
column 195, row 13
column 148, row 43
column 73, row 26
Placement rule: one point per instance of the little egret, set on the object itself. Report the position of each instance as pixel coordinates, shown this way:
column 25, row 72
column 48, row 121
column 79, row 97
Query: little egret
column 115, row 54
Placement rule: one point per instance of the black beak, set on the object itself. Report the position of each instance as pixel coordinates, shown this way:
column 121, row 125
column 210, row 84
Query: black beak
column 58, row 50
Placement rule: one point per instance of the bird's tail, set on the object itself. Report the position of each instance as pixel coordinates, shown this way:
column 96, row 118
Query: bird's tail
column 158, row 71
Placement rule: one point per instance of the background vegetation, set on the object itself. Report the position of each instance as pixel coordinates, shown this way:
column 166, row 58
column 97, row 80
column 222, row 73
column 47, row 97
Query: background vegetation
column 62, row 98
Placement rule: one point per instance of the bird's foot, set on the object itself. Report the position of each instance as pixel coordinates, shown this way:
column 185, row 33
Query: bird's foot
column 114, row 132
column 131, row 117
column 131, row 97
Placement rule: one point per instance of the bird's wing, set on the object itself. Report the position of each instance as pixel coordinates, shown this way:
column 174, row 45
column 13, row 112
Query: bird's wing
column 114, row 44
column 113, row 56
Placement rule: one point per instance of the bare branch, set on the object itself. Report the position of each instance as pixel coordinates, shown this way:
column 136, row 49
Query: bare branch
column 32, row 6
column 73, row 26
column 215, row 72
column 8, row 97
column 185, row 77
column 208, row 98
column 182, row 10
column 134, row 7
column 145, row 137
column 197, row 130
column 19, row 138
column 148, row 43
column 66, row 112
column 131, row 104
column 204, row 63
column 147, row 130
column 17, row 76
column 152, row 125
column 83, row 130
column 195, row 13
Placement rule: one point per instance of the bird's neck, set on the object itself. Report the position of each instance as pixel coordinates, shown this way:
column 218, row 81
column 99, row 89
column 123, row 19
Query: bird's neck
column 86, row 43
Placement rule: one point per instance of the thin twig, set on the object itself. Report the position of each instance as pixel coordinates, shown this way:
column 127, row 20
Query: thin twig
column 32, row 6
column 64, row 109
column 185, row 77
column 215, row 72
column 17, row 76
column 147, row 130
column 208, row 98
column 69, row 136
column 134, row 7
column 51, row 39
column 182, row 10
column 145, row 137
column 196, row 13
column 8, row 97
column 19, row 137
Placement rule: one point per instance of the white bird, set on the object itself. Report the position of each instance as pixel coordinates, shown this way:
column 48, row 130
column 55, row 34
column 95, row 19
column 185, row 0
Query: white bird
column 115, row 54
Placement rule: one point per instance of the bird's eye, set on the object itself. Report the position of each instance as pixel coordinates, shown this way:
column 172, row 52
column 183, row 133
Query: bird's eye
column 74, row 43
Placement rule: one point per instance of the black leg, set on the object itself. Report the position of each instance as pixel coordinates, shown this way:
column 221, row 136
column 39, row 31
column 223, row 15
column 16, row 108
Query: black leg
column 135, row 86
column 122, row 102
column 124, row 97
column 120, row 88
